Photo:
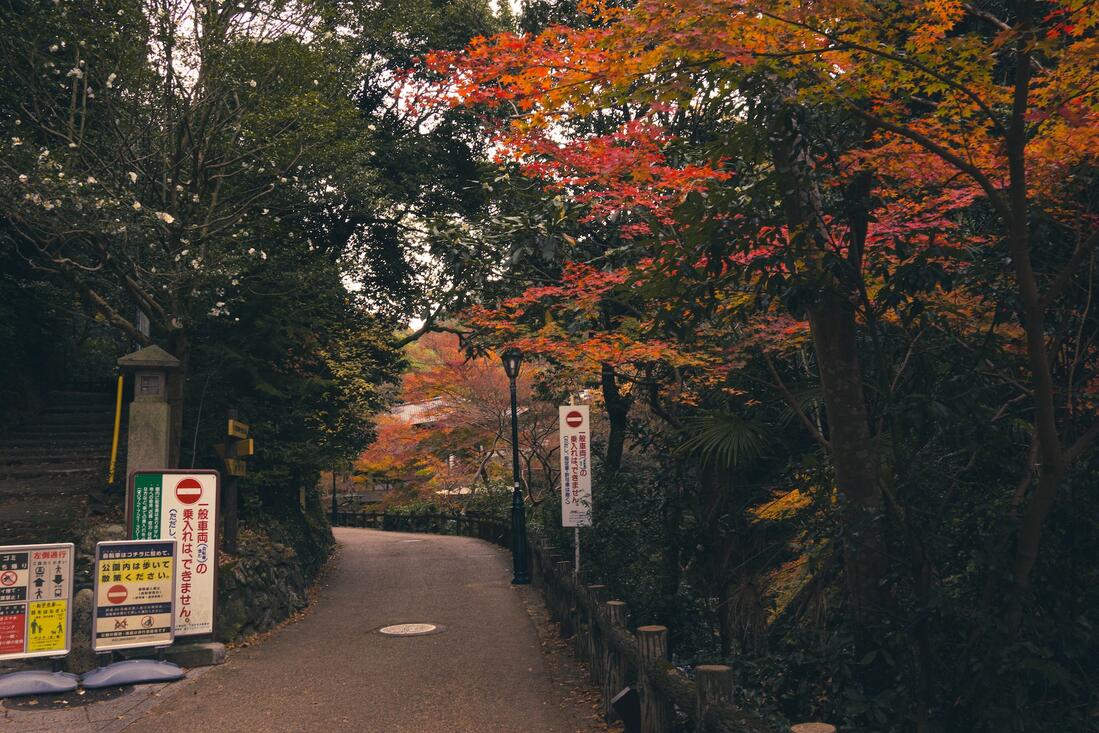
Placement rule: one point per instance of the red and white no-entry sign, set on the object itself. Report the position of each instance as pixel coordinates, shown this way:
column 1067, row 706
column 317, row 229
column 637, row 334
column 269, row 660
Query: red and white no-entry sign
column 574, row 419
column 117, row 594
column 188, row 491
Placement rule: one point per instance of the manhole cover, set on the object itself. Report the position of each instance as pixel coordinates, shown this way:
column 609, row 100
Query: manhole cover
column 410, row 629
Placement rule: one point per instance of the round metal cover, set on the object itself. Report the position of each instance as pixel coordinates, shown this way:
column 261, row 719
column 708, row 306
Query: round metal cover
column 409, row 629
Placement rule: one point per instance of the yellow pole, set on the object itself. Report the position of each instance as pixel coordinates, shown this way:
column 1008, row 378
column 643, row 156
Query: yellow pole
column 117, row 424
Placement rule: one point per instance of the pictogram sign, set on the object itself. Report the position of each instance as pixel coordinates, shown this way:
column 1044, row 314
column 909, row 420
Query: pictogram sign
column 35, row 594
column 134, row 594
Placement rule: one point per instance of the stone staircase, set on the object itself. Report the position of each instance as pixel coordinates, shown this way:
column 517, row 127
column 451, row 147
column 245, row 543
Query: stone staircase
column 50, row 467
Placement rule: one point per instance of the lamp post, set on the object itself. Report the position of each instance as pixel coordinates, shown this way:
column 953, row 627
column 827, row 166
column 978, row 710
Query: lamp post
column 513, row 359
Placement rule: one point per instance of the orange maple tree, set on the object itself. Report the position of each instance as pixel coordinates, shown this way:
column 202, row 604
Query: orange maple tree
column 961, row 112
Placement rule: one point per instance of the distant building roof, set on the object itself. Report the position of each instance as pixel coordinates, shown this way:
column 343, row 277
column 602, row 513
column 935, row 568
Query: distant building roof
column 420, row 413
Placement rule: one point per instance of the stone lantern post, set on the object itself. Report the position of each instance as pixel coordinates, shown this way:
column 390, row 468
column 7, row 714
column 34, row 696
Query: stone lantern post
column 148, row 439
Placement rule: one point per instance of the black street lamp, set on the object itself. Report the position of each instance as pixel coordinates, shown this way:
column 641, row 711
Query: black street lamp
column 513, row 359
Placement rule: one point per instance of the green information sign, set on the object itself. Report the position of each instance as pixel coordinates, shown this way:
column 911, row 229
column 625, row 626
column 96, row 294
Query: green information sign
column 145, row 520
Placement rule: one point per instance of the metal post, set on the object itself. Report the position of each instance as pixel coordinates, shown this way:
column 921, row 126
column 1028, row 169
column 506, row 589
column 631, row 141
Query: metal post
column 576, row 542
column 518, row 515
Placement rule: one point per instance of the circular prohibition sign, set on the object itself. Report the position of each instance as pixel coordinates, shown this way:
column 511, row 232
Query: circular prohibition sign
column 8, row 578
column 574, row 419
column 117, row 594
column 188, row 491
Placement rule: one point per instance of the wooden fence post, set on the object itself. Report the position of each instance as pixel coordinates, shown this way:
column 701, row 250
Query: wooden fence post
column 564, row 570
column 813, row 728
column 597, row 595
column 714, row 686
column 614, row 667
column 652, row 646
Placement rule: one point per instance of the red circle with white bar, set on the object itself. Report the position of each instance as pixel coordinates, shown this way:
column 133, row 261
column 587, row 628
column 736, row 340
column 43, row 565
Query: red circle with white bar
column 188, row 491
column 574, row 419
column 117, row 594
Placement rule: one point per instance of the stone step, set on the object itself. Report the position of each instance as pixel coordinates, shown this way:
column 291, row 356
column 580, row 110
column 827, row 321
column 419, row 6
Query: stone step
column 79, row 397
column 98, row 418
column 49, row 470
column 56, row 443
column 76, row 484
column 97, row 454
column 64, row 429
column 64, row 408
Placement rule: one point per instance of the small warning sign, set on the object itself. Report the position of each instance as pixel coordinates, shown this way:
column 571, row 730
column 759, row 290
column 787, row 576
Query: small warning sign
column 35, row 593
column 47, row 626
column 134, row 599
column 13, row 627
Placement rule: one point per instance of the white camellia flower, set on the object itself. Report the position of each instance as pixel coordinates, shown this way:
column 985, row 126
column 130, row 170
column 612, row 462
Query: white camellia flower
column 72, row 145
column 252, row 83
column 251, row 250
column 53, row 48
column 16, row 142
column 74, row 71
column 110, row 80
column 133, row 177
column 91, row 179
column 137, row 206
column 22, row 177
column 194, row 197
column 263, row 255
column 165, row 217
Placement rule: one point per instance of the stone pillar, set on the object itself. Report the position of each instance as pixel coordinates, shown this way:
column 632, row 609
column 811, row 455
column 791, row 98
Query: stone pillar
column 149, row 432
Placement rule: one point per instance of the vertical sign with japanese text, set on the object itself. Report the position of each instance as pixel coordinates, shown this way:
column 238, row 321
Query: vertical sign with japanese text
column 575, row 466
column 35, row 600
column 182, row 506
column 134, row 593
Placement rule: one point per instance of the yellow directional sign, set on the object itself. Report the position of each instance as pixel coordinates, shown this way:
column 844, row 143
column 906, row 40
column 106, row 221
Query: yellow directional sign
column 235, row 467
column 237, row 429
column 243, row 448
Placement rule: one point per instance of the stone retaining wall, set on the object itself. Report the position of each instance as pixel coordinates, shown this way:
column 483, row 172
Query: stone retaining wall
column 263, row 586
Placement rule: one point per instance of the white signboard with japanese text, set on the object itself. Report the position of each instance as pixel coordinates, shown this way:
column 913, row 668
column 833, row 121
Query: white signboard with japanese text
column 35, row 600
column 575, row 466
column 133, row 594
column 182, row 506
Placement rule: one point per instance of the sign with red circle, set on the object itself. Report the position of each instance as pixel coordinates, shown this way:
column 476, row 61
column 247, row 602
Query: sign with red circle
column 188, row 491
column 117, row 594
column 574, row 419
column 8, row 578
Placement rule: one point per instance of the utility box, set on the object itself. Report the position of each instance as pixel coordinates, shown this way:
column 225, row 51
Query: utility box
column 148, row 439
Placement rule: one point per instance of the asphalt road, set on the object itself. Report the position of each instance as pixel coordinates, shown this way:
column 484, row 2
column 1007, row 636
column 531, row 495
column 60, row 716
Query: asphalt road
column 333, row 671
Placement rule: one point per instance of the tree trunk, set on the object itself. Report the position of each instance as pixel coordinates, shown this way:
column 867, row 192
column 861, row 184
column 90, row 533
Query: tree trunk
column 179, row 346
column 618, row 409
column 854, row 456
column 832, row 323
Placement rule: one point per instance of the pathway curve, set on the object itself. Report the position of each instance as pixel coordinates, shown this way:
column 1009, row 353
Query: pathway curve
column 333, row 671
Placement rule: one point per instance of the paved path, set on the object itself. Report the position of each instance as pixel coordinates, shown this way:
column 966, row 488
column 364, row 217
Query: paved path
column 332, row 671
